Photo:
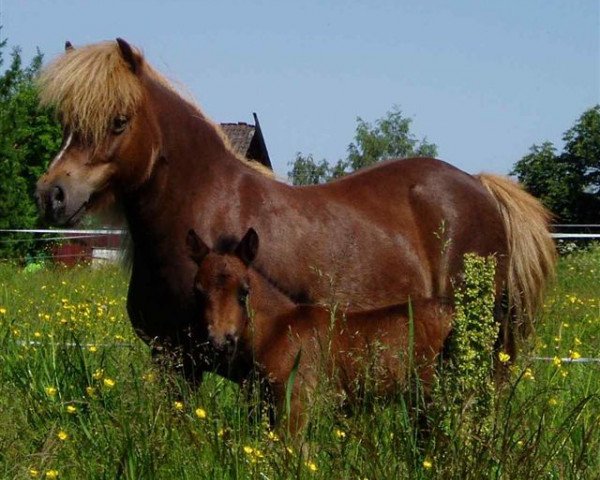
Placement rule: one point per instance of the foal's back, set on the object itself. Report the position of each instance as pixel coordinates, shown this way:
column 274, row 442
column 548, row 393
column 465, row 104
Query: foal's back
column 351, row 346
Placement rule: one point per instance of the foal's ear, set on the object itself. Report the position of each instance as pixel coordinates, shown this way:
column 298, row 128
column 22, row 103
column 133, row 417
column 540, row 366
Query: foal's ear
column 248, row 247
column 196, row 247
column 69, row 47
column 129, row 55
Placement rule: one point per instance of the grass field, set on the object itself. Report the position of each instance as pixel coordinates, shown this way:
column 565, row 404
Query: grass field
column 80, row 398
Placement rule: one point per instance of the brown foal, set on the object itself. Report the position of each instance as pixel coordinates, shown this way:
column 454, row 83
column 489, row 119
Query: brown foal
column 251, row 322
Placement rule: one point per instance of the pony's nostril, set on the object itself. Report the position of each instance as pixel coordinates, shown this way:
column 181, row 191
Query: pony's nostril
column 57, row 195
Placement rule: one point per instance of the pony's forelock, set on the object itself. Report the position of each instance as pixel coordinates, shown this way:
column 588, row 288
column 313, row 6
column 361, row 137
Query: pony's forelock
column 90, row 85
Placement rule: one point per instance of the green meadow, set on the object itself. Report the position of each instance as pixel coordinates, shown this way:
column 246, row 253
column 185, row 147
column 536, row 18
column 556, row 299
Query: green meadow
column 80, row 398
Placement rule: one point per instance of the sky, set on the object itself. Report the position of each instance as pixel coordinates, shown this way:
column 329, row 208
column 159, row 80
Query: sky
column 482, row 80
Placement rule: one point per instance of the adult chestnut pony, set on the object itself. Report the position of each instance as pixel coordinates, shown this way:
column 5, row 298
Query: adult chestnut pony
column 374, row 238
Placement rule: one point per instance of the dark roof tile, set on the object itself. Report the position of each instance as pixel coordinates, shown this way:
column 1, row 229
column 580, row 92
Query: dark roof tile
column 240, row 135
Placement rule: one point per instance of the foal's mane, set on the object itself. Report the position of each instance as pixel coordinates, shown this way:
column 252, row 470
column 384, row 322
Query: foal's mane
column 90, row 85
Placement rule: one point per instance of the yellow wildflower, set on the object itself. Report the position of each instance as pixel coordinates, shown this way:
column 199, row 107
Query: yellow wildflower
column 50, row 391
column 272, row 436
column 528, row 375
column 200, row 413
column 503, row 357
column 312, row 466
column 93, row 348
column 37, row 334
column 553, row 402
column 574, row 355
column 71, row 409
column 62, row 435
column 178, row 406
column 557, row 362
column 340, row 433
column 33, row 473
column 427, row 463
column 98, row 374
column 248, row 450
column 109, row 383
column 52, row 474
column 2, row 311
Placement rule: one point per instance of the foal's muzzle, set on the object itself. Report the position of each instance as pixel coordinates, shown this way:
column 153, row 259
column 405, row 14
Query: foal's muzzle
column 224, row 344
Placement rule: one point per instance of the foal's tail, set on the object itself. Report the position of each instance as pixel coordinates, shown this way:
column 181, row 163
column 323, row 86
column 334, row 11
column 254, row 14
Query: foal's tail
column 531, row 251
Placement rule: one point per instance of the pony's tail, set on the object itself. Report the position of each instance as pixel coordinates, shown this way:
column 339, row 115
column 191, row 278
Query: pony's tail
column 531, row 252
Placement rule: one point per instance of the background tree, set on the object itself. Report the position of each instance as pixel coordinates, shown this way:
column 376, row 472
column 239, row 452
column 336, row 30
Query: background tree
column 306, row 171
column 29, row 137
column 567, row 183
column 389, row 137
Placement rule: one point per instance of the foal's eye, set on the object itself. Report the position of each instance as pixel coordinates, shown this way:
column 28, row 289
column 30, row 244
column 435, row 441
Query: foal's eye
column 243, row 292
column 199, row 293
column 119, row 123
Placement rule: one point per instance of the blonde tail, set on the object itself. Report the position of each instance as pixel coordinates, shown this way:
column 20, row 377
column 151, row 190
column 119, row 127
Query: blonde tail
column 531, row 250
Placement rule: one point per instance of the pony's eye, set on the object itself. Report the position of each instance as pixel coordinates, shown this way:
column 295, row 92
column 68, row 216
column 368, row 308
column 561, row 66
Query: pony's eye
column 119, row 123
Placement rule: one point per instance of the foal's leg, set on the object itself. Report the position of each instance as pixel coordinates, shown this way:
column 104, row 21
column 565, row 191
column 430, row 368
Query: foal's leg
column 260, row 398
column 295, row 420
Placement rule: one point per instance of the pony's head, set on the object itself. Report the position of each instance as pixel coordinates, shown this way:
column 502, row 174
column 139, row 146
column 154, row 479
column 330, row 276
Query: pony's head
column 222, row 286
column 110, row 133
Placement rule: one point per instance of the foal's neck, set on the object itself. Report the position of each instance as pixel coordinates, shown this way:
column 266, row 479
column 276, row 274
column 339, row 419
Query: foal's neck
column 268, row 305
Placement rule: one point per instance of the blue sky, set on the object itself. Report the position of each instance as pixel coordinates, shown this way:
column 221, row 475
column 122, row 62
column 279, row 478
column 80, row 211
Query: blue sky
column 482, row 80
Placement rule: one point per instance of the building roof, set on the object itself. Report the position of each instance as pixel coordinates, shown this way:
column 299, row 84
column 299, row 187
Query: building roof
column 248, row 141
column 240, row 136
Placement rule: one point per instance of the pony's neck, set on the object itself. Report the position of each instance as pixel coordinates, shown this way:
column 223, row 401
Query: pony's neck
column 191, row 156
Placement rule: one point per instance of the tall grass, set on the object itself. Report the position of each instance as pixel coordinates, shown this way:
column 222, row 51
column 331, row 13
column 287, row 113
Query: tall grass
column 81, row 398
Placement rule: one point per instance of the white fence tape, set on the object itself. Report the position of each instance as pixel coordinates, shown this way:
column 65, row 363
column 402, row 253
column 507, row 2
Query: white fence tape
column 93, row 233
column 36, row 343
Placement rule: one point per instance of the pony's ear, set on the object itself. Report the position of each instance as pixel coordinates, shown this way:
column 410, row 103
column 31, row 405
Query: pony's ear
column 248, row 247
column 69, row 47
column 196, row 247
column 129, row 55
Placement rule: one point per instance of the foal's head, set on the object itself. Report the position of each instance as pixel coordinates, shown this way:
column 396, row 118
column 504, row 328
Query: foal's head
column 110, row 130
column 222, row 286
